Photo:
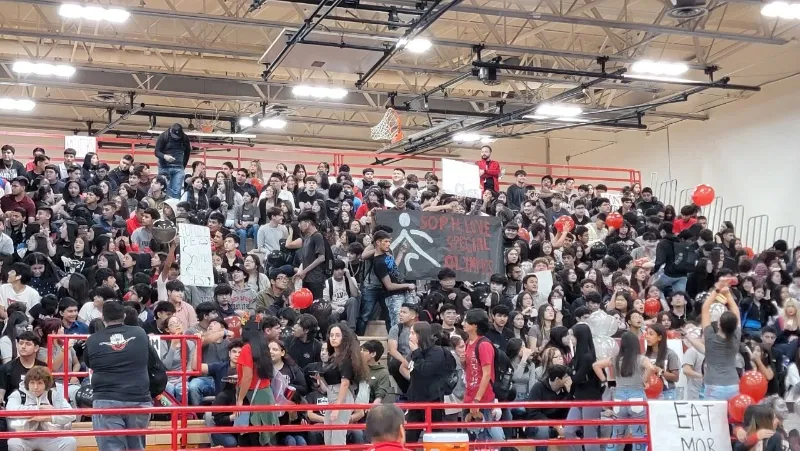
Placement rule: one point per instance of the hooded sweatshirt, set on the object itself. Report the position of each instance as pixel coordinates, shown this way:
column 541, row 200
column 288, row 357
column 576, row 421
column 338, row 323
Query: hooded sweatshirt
column 175, row 143
column 243, row 299
column 59, row 422
column 380, row 384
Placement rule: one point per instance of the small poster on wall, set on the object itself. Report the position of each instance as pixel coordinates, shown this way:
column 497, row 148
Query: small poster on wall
column 81, row 144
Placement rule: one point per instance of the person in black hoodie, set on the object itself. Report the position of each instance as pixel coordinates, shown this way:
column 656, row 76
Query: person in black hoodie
column 226, row 397
column 302, row 347
column 427, row 364
column 674, row 259
column 586, row 386
column 172, row 150
column 555, row 386
column 118, row 358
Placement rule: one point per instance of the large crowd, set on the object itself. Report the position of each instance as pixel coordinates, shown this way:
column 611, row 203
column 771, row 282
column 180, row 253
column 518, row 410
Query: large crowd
column 81, row 255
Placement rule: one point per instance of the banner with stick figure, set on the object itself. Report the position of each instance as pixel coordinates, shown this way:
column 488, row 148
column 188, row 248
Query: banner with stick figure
column 470, row 245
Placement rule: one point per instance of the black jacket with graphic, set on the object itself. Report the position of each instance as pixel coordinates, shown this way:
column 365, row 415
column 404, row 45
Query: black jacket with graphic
column 118, row 357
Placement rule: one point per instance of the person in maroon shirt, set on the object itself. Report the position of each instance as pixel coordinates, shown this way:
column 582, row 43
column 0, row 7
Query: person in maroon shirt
column 385, row 428
column 17, row 198
column 489, row 170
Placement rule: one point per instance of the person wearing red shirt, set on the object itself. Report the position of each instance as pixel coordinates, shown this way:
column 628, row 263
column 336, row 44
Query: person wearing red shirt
column 479, row 367
column 254, row 371
column 385, row 428
column 687, row 219
column 489, row 170
column 17, row 198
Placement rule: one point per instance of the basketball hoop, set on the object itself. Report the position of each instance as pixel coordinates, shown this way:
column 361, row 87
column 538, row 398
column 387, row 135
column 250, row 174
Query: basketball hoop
column 207, row 119
column 389, row 128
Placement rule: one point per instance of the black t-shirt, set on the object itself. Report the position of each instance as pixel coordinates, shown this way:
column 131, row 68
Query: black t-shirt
column 383, row 265
column 334, row 374
column 313, row 247
column 228, row 265
column 304, row 197
column 12, row 374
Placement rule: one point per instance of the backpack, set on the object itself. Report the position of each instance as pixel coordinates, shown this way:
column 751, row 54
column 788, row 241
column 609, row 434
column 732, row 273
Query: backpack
column 503, row 380
column 23, row 397
column 685, row 259
column 346, row 287
column 450, row 381
column 157, row 373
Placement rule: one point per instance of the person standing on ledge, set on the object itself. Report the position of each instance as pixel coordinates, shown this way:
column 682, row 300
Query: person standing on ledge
column 172, row 150
column 489, row 170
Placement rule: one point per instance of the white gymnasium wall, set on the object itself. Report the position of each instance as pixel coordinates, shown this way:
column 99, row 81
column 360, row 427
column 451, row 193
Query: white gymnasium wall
column 749, row 151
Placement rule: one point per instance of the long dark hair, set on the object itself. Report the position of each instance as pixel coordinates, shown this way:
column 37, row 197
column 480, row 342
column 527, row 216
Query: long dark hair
column 200, row 201
column 348, row 350
column 78, row 288
column 625, row 362
column 87, row 161
column 262, row 363
column 229, row 192
column 661, row 352
column 67, row 197
column 557, row 335
column 38, row 258
column 584, row 346
column 424, row 335
column 10, row 331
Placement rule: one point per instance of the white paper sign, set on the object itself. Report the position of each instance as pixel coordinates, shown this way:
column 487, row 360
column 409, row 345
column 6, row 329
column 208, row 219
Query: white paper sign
column 545, row 279
column 461, row 179
column 689, row 425
column 197, row 268
column 81, row 144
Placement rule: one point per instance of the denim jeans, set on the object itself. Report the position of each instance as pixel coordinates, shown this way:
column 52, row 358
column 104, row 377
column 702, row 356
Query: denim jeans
column 120, row 422
column 294, row 440
column 174, row 176
column 667, row 395
column 720, row 392
column 393, row 304
column 176, row 390
column 200, row 387
column 629, row 412
column 664, row 281
column 371, row 297
column 251, row 231
column 494, row 434
column 538, row 433
column 226, row 440
column 584, row 413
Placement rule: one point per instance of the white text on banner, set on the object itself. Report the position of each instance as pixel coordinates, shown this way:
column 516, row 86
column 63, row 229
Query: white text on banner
column 197, row 268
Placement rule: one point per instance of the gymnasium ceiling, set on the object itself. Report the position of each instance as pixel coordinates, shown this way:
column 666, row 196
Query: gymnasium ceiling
column 189, row 58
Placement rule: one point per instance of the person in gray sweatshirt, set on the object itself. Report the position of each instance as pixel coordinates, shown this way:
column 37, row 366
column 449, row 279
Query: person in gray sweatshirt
column 246, row 223
column 271, row 233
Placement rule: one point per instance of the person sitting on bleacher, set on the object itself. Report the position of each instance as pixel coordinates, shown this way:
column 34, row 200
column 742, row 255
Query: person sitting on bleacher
column 224, row 374
column 37, row 393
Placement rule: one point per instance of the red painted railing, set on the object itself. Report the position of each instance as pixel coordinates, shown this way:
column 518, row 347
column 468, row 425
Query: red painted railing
column 428, row 425
column 213, row 155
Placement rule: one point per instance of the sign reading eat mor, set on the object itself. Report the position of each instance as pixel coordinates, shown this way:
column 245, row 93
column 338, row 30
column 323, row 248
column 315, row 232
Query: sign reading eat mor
column 197, row 268
column 470, row 245
column 689, row 425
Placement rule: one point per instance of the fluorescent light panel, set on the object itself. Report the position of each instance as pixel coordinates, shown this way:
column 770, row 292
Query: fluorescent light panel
column 43, row 69
column 550, row 118
column 417, row 45
column 273, row 123
column 319, row 92
column 660, row 78
column 551, row 110
column 781, row 10
column 8, row 104
column 473, row 137
column 93, row 13
column 246, row 122
column 660, row 67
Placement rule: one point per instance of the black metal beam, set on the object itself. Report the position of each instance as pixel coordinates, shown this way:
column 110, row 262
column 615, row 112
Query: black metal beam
column 366, row 7
column 344, row 45
column 723, row 83
column 406, row 108
column 308, row 26
column 427, row 19
column 439, row 88
column 388, row 23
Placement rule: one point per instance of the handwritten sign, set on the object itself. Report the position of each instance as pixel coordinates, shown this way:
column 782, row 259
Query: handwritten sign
column 81, row 144
column 689, row 425
column 470, row 245
column 461, row 179
column 197, row 267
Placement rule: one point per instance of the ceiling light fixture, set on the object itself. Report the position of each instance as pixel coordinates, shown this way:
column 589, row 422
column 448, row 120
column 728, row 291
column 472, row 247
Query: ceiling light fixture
column 540, row 117
column 473, row 137
column 658, row 78
column 246, row 122
column 551, row 110
column 273, row 123
column 781, row 10
column 43, row 69
column 95, row 13
column 416, row 45
column 319, row 92
column 659, row 67
column 8, row 104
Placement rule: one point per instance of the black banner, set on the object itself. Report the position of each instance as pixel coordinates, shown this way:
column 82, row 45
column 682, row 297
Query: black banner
column 471, row 245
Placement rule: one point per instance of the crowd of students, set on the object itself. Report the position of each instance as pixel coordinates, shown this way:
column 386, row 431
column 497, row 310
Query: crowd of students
column 79, row 257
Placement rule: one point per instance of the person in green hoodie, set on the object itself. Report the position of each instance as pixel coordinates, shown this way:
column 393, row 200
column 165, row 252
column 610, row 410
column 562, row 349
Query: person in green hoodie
column 380, row 384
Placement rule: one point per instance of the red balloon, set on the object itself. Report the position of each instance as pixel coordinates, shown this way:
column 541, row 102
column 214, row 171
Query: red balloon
column 651, row 307
column 750, row 253
column 653, row 387
column 737, row 406
column 754, row 385
column 673, row 334
column 703, row 195
column 564, row 221
column 524, row 234
column 302, row 299
column 614, row 220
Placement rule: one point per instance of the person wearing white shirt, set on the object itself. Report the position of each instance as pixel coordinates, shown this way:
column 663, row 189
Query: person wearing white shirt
column 91, row 310
column 341, row 292
column 17, row 290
